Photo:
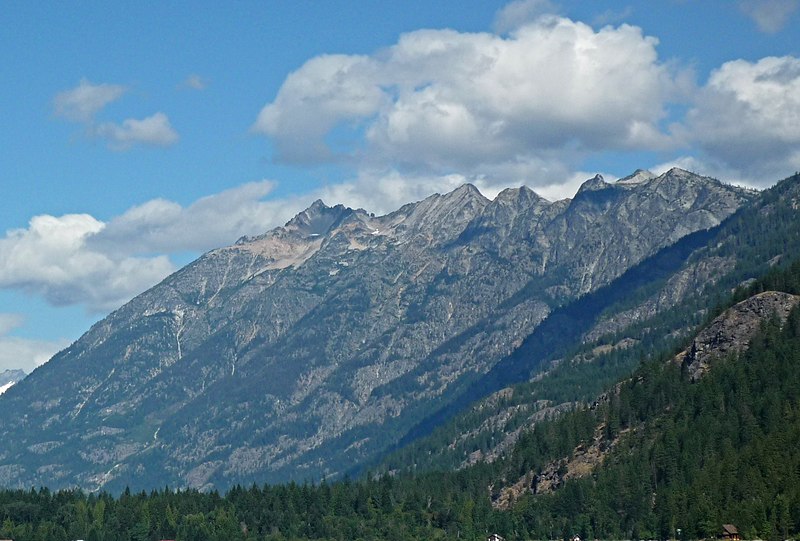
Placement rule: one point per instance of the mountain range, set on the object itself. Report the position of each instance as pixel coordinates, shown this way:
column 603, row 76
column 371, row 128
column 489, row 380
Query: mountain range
column 317, row 348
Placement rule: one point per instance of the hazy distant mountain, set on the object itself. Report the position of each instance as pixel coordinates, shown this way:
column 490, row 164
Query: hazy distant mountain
column 9, row 378
column 313, row 348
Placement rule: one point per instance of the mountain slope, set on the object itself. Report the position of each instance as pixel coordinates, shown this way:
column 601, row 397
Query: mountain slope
column 661, row 454
column 310, row 349
column 590, row 343
column 664, row 453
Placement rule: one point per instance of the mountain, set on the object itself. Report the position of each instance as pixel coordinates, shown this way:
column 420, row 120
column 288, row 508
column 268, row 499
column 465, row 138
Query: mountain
column 667, row 452
column 660, row 457
column 9, row 378
column 728, row 336
column 314, row 348
column 588, row 345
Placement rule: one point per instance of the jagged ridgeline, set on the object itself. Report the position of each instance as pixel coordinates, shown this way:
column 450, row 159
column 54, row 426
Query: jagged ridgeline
column 651, row 309
column 318, row 346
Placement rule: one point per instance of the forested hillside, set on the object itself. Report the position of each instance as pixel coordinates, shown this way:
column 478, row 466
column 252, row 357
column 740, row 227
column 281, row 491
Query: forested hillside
column 690, row 456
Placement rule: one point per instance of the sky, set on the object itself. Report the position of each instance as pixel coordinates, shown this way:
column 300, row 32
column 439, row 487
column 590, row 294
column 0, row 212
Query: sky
column 134, row 136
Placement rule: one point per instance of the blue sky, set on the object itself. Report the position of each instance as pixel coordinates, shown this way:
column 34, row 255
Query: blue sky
column 135, row 136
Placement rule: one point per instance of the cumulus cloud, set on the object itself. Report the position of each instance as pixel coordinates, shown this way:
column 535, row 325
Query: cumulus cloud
column 23, row 353
column 520, row 12
column 164, row 226
column 327, row 90
column 77, row 259
column 387, row 190
column 441, row 101
column 26, row 354
column 81, row 103
column 770, row 16
column 747, row 118
column 51, row 258
column 154, row 130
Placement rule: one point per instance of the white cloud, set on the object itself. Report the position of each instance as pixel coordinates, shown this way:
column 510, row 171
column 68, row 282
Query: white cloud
column 23, row 353
column 441, row 101
column 76, row 259
column 81, row 103
column 163, row 226
column 747, row 119
column 385, row 191
column 770, row 16
column 50, row 258
column 520, row 12
column 154, row 130
column 26, row 354
column 327, row 90
column 195, row 82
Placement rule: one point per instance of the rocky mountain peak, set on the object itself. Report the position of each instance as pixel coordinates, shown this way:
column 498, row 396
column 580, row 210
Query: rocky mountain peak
column 522, row 195
column 639, row 176
column 465, row 196
column 594, row 184
column 682, row 175
column 441, row 216
column 317, row 219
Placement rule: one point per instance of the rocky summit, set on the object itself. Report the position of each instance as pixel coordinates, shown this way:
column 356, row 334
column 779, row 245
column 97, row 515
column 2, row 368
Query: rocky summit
column 312, row 349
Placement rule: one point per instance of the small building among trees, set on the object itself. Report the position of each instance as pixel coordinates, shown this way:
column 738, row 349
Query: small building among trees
column 730, row 532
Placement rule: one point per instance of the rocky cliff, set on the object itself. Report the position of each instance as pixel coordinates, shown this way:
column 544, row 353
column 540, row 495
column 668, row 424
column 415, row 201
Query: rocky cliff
column 731, row 332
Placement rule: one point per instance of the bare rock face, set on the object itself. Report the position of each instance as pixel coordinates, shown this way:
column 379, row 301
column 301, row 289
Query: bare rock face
column 308, row 350
column 585, row 458
column 732, row 331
